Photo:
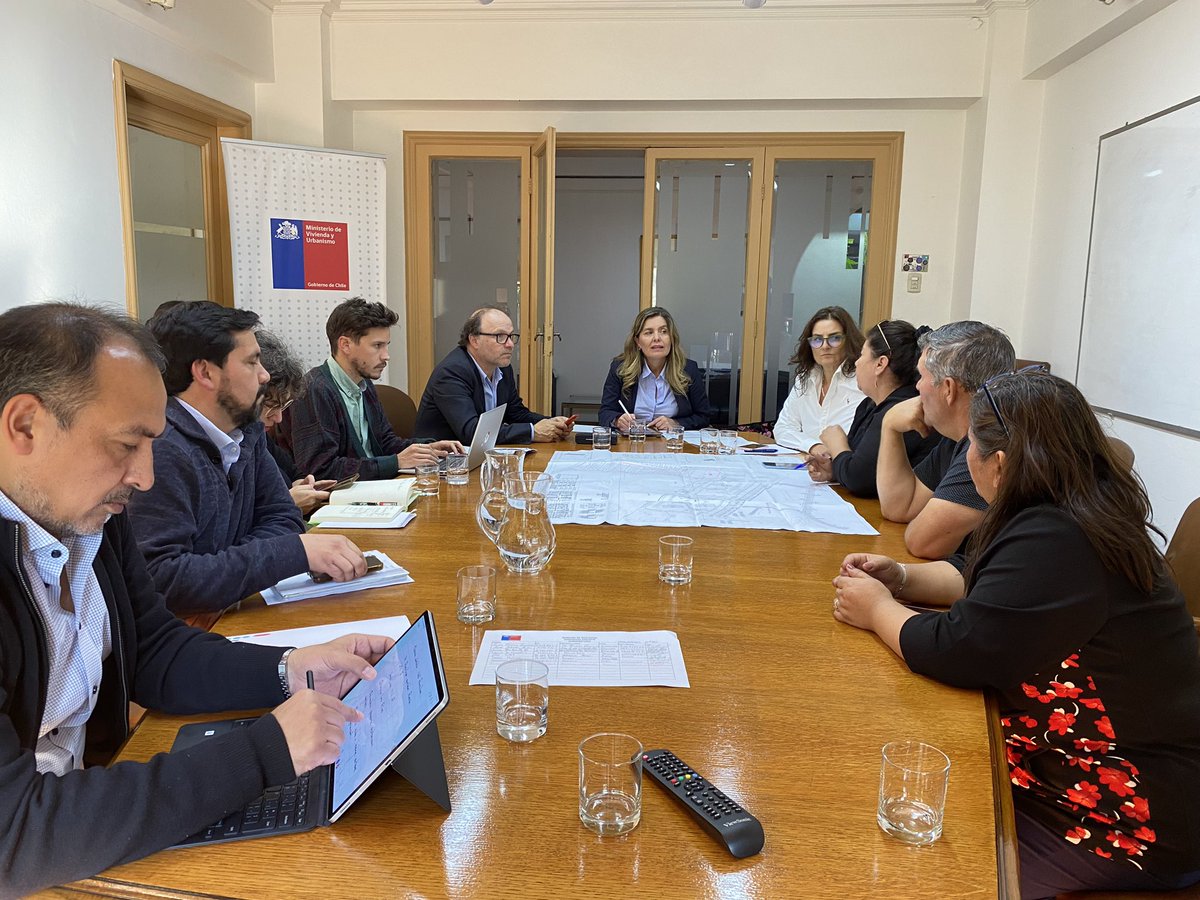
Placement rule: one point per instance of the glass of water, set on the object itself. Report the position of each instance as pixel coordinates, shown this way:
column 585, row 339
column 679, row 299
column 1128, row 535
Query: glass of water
column 522, row 700
column 456, row 469
column 601, row 438
column 729, row 442
column 710, row 440
column 675, row 559
column 639, row 429
column 610, row 783
column 429, row 482
column 674, row 438
column 912, row 791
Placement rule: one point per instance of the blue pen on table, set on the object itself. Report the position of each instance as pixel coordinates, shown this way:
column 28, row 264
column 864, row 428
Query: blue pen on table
column 762, row 450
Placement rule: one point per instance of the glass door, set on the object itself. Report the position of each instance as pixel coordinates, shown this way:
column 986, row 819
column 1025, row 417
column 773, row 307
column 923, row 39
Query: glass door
column 537, row 375
column 466, row 214
column 819, row 212
column 702, row 224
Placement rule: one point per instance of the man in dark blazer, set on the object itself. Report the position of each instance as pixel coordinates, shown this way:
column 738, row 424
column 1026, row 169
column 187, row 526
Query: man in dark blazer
column 338, row 428
column 477, row 376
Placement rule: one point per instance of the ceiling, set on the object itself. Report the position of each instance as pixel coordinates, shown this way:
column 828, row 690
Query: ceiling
column 359, row 9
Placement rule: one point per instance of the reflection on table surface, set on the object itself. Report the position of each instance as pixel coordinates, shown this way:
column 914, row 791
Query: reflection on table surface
column 787, row 713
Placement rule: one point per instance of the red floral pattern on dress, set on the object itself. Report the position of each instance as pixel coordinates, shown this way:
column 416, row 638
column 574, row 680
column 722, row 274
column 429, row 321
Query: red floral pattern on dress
column 1102, row 787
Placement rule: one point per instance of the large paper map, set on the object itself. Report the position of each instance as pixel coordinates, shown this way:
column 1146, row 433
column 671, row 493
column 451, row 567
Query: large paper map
column 688, row 490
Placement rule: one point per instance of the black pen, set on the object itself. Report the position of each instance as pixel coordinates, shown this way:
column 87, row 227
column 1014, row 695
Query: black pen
column 308, row 677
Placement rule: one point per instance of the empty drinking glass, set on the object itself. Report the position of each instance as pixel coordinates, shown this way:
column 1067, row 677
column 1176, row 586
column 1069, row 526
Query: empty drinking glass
column 729, row 442
column 710, row 440
column 522, row 700
column 610, row 783
column 912, row 791
column 476, row 594
column 675, row 559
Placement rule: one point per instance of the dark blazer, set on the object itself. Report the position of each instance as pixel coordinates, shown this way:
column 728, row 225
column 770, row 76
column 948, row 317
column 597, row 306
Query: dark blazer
column 694, row 409
column 54, row 830
column 316, row 430
column 453, row 402
column 854, row 469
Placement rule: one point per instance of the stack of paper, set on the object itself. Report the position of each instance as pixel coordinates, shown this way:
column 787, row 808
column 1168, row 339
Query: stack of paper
column 302, row 587
column 390, row 626
column 368, row 504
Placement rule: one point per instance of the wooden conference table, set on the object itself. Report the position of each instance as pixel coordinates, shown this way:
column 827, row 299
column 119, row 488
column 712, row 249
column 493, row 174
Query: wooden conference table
column 787, row 712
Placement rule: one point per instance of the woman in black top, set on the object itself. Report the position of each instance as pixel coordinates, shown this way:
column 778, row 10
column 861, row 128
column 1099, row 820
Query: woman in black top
column 886, row 371
column 1071, row 616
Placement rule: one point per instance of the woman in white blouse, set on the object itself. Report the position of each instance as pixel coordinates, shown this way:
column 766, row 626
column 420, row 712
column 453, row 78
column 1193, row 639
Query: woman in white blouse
column 826, row 392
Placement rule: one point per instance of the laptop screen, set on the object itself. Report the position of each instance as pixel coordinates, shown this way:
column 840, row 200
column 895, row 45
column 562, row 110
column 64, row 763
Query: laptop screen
column 409, row 690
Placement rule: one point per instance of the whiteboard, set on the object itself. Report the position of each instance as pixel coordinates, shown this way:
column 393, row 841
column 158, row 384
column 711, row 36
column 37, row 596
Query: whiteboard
column 1141, row 313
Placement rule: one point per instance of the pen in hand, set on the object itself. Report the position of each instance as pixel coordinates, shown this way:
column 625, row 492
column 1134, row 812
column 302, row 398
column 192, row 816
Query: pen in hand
column 308, row 678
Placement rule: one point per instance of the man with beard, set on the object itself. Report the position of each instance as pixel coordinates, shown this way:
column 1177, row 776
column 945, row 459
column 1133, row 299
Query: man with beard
column 219, row 524
column 83, row 633
column 338, row 427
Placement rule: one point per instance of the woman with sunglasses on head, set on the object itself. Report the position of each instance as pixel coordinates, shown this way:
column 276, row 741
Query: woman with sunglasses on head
column 886, row 371
column 286, row 384
column 1070, row 614
column 654, row 377
column 825, row 392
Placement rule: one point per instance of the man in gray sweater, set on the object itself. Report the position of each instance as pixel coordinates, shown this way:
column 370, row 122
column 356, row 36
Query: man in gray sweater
column 218, row 524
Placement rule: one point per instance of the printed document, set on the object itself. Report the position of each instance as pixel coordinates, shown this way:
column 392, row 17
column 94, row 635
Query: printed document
column 588, row 658
column 389, row 626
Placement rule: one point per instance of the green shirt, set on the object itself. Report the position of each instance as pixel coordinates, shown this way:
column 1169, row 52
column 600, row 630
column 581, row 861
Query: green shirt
column 352, row 398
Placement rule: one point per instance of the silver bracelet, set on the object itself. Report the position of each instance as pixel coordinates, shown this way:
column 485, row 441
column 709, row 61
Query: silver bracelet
column 903, row 578
column 283, row 676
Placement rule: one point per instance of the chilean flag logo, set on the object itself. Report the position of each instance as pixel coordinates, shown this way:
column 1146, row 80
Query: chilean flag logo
column 307, row 255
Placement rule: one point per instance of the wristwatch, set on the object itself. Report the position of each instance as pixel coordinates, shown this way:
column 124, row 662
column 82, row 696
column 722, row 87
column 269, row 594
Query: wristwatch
column 283, row 676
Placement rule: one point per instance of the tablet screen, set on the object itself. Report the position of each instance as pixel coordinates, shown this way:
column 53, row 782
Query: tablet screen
column 408, row 691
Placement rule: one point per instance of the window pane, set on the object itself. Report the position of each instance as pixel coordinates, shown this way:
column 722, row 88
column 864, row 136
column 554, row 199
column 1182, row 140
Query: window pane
column 168, row 214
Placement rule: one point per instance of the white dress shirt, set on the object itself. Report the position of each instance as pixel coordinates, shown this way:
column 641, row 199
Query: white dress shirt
column 228, row 445
column 489, row 389
column 78, row 641
column 804, row 416
column 654, row 395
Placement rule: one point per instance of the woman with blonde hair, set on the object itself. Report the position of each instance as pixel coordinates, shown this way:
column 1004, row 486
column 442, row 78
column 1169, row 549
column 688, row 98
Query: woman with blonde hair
column 654, row 377
column 826, row 392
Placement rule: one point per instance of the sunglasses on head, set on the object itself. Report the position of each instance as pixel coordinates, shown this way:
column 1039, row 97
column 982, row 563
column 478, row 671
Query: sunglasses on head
column 986, row 388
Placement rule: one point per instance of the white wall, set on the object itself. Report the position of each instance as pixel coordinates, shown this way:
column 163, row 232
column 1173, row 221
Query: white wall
column 59, row 203
column 1149, row 68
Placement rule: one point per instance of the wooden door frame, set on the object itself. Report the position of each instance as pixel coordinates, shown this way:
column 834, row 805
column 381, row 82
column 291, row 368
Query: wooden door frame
column 147, row 101
column 884, row 149
column 538, row 377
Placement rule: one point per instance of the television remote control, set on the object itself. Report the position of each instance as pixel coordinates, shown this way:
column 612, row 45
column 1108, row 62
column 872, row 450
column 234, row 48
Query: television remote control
column 740, row 832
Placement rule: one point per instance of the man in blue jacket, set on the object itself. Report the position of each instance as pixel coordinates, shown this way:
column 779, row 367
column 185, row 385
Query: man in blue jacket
column 83, row 633
column 219, row 524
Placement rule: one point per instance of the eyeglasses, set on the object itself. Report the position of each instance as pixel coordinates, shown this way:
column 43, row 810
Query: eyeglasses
column 886, row 342
column 985, row 387
column 272, row 406
column 502, row 337
column 833, row 340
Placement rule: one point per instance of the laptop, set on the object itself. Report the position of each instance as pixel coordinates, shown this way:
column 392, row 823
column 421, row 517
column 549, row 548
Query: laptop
column 399, row 704
column 487, row 429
